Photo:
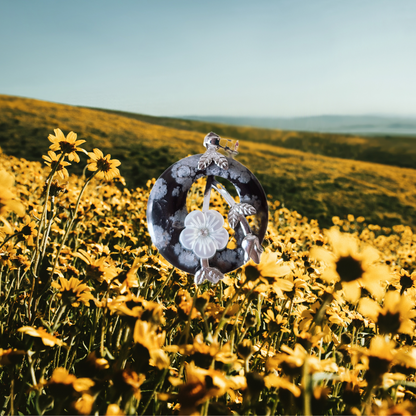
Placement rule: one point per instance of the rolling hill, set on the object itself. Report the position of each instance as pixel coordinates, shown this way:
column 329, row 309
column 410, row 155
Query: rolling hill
column 315, row 185
column 386, row 149
column 363, row 125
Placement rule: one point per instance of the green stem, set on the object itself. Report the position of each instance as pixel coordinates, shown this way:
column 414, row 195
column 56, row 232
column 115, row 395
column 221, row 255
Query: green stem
column 44, row 212
column 58, row 317
column 68, row 230
column 163, row 285
column 9, row 238
column 161, row 380
column 307, row 387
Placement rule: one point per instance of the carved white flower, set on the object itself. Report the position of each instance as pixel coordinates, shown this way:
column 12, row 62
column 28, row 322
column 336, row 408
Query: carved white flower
column 204, row 233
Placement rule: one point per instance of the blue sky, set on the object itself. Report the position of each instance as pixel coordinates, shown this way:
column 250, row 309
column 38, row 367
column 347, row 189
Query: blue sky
column 261, row 58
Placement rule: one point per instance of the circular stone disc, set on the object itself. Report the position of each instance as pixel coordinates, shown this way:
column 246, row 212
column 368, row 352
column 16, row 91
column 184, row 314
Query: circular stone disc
column 166, row 212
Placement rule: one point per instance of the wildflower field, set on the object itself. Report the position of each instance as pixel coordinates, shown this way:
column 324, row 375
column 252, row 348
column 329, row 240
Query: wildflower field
column 292, row 167
column 94, row 321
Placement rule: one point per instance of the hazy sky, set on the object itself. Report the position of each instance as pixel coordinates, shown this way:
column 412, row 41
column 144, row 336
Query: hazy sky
column 216, row 57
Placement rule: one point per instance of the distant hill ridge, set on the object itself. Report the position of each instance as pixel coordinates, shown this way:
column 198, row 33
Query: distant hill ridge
column 291, row 166
column 364, row 125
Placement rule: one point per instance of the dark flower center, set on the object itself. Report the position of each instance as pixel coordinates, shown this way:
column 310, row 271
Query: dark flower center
column 95, row 273
column 103, row 165
column 69, row 296
column 26, row 230
column 406, row 282
column 349, row 269
column 54, row 164
column 252, row 273
column 67, row 147
column 377, row 365
column 388, row 323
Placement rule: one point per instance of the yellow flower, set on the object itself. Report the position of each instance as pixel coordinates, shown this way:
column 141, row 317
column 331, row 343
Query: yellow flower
column 7, row 254
column 377, row 359
column 52, row 161
column 67, row 145
column 146, row 336
column 269, row 270
column 97, row 269
column 8, row 200
column 83, row 406
column 275, row 324
column 10, row 356
column 395, row 317
column 114, row 410
column 128, row 381
column 47, row 339
column 64, row 385
column 106, row 167
column 73, row 291
column 28, row 231
column 200, row 386
column 351, row 266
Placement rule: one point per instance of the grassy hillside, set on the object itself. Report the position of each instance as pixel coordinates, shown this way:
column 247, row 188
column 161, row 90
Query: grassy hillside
column 316, row 186
column 388, row 150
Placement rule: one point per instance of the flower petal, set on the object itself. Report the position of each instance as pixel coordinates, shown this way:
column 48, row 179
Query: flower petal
column 188, row 237
column 214, row 220
column 220, row 237
column 195, row 219
column 204, row 247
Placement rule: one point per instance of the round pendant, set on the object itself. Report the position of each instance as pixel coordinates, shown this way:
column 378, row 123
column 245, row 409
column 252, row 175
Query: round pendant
column 196, row 242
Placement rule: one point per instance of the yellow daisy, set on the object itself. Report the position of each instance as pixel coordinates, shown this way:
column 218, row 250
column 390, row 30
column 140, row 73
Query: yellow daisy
column 395, row 317
column 52, row 161
column 351, row 265
column 47, row 339
column 73, row 291
column 67, row 145
column 106, row 167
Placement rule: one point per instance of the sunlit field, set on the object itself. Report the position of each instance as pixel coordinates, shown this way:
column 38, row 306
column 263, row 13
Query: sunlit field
column 94, row 321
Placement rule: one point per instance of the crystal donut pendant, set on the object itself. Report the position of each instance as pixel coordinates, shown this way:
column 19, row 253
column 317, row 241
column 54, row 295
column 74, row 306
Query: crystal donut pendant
column 196, row 241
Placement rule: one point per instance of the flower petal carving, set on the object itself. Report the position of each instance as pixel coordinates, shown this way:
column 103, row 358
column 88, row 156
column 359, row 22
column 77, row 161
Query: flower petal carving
column 204, row 233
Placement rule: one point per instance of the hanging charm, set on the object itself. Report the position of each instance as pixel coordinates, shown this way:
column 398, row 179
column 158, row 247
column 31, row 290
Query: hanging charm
column 196, row 242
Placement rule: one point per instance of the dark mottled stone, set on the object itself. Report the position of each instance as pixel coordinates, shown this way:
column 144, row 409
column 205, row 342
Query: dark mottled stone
column 166, row 212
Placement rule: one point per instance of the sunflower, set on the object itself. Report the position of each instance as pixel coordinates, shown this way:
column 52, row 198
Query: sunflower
column 269, row 271
column 395, row 317
column 145, row 335
column 128, row 382
column 52, row 161
column 64, row 385
column 73, row 291
column 106, row 167
column 98, row 269
column 28, row 231
column 67, row 145
column 201, row 385
column 7, row 254
column 377, row 359
column 351, row 266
